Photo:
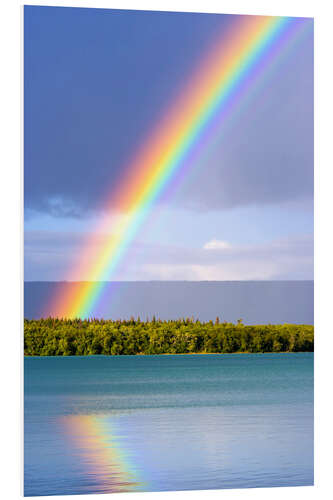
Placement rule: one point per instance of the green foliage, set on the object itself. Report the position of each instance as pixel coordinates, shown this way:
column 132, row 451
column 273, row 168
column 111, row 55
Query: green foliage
column 62, row 337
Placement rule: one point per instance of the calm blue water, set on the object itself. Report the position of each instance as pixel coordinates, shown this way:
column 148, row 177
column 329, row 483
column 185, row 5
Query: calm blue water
column 153, row 423
column 256, row 302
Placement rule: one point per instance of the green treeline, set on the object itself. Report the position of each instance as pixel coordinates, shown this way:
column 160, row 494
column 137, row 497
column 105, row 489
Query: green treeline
column 59, row 337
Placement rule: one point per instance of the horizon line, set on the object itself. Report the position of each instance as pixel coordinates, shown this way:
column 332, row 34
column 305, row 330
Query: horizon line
column 170, row 281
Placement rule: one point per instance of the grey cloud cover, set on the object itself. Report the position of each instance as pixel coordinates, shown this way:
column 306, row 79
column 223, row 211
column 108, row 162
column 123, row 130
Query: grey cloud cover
column 266, row 156
column 77, row 145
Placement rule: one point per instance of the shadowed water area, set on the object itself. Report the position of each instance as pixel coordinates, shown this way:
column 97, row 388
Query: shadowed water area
column 256, row 302
column 153, row 423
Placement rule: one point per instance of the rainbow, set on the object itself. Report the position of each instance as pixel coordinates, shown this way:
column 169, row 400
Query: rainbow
column 218, row 81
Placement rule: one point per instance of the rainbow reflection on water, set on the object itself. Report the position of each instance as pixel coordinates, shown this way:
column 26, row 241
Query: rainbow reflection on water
column 103, row 449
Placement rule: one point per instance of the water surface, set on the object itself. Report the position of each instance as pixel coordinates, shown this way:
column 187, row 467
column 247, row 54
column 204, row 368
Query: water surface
column 152, row 423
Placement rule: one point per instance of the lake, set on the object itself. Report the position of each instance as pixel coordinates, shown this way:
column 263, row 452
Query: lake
column 99, row 424
column 256, row 302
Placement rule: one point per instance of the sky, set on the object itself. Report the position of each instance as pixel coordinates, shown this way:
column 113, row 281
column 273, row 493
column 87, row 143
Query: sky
column 95, row 85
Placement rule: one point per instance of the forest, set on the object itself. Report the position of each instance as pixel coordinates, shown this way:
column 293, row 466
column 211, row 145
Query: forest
column 66, row 337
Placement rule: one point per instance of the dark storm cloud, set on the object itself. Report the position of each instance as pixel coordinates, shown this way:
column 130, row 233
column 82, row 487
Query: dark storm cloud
column 95, row 84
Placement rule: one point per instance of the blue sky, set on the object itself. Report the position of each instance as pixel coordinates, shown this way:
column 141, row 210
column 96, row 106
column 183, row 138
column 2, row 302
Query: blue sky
column 95, row 84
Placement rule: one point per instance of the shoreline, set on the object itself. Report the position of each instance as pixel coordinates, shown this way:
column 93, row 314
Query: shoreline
column 164, row 354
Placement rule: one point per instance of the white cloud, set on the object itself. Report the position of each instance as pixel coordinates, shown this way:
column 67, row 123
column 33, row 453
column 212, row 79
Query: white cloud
column 216, row 245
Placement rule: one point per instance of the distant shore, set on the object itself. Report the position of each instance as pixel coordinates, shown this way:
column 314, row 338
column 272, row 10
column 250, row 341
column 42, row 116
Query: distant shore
column 64, row 337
